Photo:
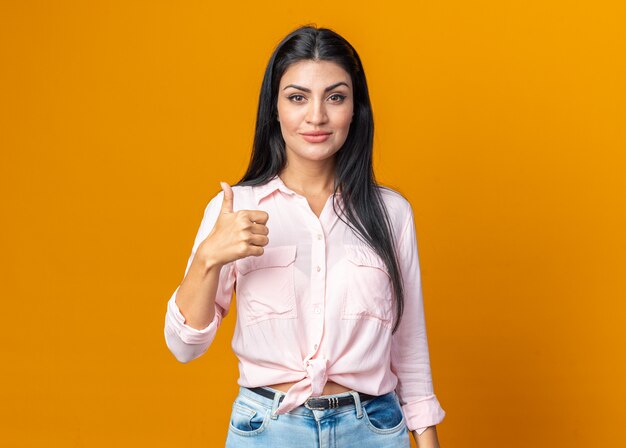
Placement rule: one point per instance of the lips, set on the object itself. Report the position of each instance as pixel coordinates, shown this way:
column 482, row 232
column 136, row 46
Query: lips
column 316, row 133
column 316, row 137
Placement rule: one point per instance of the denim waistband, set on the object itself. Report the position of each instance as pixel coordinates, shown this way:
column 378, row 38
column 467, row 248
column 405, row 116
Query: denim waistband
column 301, row 410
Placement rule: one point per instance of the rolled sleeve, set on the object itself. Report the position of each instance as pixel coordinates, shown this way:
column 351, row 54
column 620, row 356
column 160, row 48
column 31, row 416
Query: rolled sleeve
column 419, row 415
column 410, row 358
column 187, row 343
column 189, row 335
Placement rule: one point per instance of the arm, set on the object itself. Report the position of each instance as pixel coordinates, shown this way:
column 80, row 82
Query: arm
column 410, row 359
column 428, row 439
column 196, row 308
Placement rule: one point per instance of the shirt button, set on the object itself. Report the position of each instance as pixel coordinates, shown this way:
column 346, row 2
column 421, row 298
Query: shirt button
column 315, row 346
column 319, row 236
column 317, row 310
column 318, row 269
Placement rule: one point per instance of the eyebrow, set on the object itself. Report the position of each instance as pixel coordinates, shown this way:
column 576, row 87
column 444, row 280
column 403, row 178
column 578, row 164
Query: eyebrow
column 331, row 87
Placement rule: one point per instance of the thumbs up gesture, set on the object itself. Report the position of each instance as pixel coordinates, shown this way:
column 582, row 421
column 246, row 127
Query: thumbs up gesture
column 235, row 234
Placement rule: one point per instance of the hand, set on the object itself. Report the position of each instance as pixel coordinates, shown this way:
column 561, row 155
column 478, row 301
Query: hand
column 235, row 234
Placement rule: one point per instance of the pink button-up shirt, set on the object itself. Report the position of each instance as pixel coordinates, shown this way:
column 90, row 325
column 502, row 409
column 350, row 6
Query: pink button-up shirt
column 317, row 306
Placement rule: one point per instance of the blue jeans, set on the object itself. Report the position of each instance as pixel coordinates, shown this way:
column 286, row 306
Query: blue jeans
column 374, row 423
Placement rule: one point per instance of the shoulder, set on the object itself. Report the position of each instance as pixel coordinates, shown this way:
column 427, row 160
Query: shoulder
column 399, row 209
column 400, row 212
column 397, row 205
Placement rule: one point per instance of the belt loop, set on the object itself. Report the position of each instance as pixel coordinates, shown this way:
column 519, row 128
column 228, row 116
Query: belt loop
column 357, row 403
column 275, row 403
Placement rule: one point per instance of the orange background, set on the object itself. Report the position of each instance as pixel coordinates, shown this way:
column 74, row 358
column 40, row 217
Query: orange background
column 502, row 122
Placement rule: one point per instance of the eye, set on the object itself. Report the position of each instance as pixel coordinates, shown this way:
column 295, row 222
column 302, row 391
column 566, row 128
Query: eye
column 293, row 98
column 340, row 97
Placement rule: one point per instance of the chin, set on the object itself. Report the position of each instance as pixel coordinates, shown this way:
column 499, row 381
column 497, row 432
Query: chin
column 317, row 154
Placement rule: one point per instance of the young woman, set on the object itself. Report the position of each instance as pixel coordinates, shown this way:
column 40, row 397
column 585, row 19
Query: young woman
column 330, row 332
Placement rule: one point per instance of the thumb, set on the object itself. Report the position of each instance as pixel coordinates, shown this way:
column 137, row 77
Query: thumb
column 227, row 204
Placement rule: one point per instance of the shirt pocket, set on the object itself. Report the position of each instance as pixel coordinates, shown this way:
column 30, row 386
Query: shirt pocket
column 266, row 286
column 369, row 288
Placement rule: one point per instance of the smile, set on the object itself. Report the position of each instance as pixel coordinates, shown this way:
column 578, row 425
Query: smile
column 312, row 138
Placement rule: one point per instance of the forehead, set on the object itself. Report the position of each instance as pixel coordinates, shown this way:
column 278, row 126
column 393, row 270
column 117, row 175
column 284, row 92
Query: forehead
column 310, row 73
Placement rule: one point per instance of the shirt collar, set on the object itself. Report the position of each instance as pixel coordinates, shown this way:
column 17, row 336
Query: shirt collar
column 275, row 183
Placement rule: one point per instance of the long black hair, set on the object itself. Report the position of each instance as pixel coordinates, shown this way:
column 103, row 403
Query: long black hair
column 363, row 205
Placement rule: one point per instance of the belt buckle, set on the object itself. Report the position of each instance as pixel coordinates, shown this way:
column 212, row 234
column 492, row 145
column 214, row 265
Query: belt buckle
column 308, row 406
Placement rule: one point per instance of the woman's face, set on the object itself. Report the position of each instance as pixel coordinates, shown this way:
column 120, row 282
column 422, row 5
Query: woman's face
column 314, row 96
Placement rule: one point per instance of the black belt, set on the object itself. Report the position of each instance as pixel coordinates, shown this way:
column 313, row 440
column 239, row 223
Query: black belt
column 317, row 403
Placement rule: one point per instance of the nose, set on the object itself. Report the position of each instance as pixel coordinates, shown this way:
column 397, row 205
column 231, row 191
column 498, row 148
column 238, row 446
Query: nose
column 316, row 113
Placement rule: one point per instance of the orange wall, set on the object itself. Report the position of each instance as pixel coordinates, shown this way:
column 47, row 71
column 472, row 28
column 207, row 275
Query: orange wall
column 503, row 122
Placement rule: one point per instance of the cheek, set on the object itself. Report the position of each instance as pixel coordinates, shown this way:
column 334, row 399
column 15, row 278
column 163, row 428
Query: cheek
column 289, row 128
column 289, row 121
column 343, row 121
column 342, row 117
